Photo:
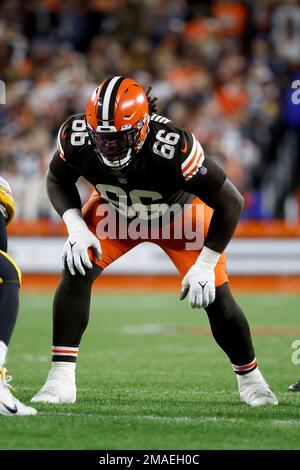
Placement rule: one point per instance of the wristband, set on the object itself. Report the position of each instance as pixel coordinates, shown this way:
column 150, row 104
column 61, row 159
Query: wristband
column 74, row 221
column 208, row 257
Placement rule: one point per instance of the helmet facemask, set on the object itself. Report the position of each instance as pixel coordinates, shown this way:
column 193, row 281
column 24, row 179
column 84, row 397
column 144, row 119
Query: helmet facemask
column 116, row 149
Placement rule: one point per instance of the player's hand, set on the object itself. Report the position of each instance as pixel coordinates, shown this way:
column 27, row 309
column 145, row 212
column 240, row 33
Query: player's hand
column 200, row 283
column 75, row 251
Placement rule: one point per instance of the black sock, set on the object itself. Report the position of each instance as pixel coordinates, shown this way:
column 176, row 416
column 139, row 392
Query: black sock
column 71, row 313
column 231, row 330
column 9, row 296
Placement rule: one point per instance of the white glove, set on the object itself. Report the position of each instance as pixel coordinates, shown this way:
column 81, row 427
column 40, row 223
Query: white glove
column 200, row 279
column 75, row 251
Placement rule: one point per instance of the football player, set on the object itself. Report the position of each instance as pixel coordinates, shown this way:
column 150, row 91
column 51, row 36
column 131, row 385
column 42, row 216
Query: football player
column 138, row 161
column 10, row 279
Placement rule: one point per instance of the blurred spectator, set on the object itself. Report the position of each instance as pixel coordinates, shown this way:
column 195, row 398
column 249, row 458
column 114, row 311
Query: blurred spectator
column 221, row 68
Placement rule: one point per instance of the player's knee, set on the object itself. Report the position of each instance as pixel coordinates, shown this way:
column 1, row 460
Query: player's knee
column 70, row 282
column 9, row 270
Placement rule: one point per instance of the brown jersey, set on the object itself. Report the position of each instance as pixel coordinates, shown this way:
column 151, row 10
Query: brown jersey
column 171, row 167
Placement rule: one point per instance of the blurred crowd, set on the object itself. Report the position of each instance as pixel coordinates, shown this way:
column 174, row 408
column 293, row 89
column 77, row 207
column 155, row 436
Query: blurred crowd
column 223, row 69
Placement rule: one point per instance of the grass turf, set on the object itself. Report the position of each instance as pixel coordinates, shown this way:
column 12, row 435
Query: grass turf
column 143, row 384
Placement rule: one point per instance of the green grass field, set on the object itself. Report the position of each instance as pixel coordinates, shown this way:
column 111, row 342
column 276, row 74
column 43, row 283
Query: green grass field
column 148, row 379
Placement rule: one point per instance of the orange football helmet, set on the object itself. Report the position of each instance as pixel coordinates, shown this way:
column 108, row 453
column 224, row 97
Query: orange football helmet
column 117, row 118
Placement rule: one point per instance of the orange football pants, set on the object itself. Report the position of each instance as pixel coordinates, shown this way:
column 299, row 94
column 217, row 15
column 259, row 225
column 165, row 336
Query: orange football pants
column 183, row 258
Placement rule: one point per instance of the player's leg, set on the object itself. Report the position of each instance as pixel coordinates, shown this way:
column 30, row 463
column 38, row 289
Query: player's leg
column 71, row 314
column 228, row 323
column 9, row 303
column 70, row 318
column 231, row 331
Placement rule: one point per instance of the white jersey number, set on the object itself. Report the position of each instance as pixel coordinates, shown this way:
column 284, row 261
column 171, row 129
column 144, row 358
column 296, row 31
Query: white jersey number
column 80, row 134
column 164, row 146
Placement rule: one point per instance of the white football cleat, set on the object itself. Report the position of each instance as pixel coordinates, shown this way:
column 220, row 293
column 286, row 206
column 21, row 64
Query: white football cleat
column 10, row 405
column 60, row 387
column 254, row 390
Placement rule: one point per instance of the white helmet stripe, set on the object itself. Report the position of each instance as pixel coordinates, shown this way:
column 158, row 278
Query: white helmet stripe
column 106, row 99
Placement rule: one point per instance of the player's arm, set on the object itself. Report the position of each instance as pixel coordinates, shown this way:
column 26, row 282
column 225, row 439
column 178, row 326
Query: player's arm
column 65, row 198
column 217, row 191
column 204, row 178
column 61, row 185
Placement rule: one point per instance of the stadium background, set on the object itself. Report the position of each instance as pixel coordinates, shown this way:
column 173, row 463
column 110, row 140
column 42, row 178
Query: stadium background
column 224, row 70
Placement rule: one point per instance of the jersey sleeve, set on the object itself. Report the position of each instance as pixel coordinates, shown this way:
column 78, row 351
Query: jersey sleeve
column 191, row 155
column 199, row 174
column 62, row 170
column 62, row 140
column 61, row 188
column 72, row 138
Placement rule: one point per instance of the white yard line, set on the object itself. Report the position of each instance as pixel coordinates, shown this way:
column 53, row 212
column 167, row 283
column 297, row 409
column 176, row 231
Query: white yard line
column 285, row 422
column 167, row 419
